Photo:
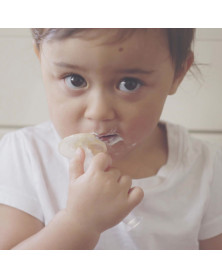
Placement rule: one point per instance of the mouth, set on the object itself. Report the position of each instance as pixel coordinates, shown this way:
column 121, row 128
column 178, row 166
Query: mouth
column 109, row 139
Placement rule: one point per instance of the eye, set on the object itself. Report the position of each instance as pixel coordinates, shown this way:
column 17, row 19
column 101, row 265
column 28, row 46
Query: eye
column 75, row 81
column 130, row 84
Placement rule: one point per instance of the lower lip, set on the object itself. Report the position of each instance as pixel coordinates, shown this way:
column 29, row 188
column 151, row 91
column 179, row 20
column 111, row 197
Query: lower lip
column 111, row 139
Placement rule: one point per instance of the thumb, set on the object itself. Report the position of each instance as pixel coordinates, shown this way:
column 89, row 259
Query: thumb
column 76, row 166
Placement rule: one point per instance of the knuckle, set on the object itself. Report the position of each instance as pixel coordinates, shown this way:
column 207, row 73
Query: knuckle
column 101, row 157
column 115, row 171
column 127, row 180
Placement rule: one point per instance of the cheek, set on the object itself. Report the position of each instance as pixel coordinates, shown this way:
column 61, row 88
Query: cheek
column 142, row 125
column 64, row 111
column 65, row 116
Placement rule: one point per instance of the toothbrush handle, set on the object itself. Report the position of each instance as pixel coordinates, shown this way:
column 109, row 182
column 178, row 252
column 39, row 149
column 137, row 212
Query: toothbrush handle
column 131, row 221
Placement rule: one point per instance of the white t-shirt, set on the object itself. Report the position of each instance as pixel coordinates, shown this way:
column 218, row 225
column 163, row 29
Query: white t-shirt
column 182, row 202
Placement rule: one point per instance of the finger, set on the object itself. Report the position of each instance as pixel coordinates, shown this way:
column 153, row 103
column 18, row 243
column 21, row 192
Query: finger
column 115, row 173
column 76, row 166
column 101, row 161
column 135, row 196
column 126, row 181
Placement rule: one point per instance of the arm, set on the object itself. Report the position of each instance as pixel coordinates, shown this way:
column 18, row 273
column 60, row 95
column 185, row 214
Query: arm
column 16, row 220
column 20, row 230
column 97, row 200
column 214, row 243
column 62, row 233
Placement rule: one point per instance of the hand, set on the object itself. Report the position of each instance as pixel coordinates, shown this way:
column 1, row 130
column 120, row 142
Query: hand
column 101, row 197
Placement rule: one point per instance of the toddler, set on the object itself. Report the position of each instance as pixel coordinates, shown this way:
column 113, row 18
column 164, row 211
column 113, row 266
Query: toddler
column 112, row 83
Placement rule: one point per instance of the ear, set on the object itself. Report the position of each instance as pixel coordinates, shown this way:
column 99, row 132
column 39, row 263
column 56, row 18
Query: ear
column 36, row 50
column 180, row 76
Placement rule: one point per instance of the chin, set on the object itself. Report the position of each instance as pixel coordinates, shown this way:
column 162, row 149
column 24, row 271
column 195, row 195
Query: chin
column 120, row 150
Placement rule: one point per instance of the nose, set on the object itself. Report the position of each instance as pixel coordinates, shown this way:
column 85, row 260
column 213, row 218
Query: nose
column 100, row 107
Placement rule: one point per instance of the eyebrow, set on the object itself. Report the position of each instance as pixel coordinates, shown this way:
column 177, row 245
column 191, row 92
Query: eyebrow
column 136, row 71
column 130, row 71
column 67, row 65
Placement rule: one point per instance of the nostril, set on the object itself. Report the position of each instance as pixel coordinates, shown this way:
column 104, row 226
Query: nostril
column 100, row 105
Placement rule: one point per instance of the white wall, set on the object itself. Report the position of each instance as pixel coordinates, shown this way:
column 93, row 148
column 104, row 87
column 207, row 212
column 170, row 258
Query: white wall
column 22, row 100
column 197, row 105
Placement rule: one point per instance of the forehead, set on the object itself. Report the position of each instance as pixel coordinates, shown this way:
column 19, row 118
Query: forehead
column 134, row 45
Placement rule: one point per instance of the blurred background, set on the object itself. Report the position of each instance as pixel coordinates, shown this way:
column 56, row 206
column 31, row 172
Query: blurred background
column 197, row 104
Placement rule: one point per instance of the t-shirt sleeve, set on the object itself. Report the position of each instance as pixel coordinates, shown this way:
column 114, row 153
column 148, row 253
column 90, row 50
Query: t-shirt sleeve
column 17, row 185
column 211, row 225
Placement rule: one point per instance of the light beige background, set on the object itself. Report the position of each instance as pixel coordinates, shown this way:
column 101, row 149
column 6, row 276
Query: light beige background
column 197, row 104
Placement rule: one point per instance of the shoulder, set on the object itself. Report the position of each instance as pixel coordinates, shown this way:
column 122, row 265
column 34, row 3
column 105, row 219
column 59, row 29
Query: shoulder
column 193, row 157
column 44, row 131
column 29, row 144
column 191, row 147
column 29, row 131
column 38, row 134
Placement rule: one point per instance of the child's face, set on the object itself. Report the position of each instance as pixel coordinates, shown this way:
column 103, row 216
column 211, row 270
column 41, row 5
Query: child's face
column 115, row 89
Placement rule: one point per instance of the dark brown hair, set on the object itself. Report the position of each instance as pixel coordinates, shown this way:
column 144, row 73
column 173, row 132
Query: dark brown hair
column 179, row 39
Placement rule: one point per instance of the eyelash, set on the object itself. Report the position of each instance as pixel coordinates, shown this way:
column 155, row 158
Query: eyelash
column 140, row 82
column 131, row 79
